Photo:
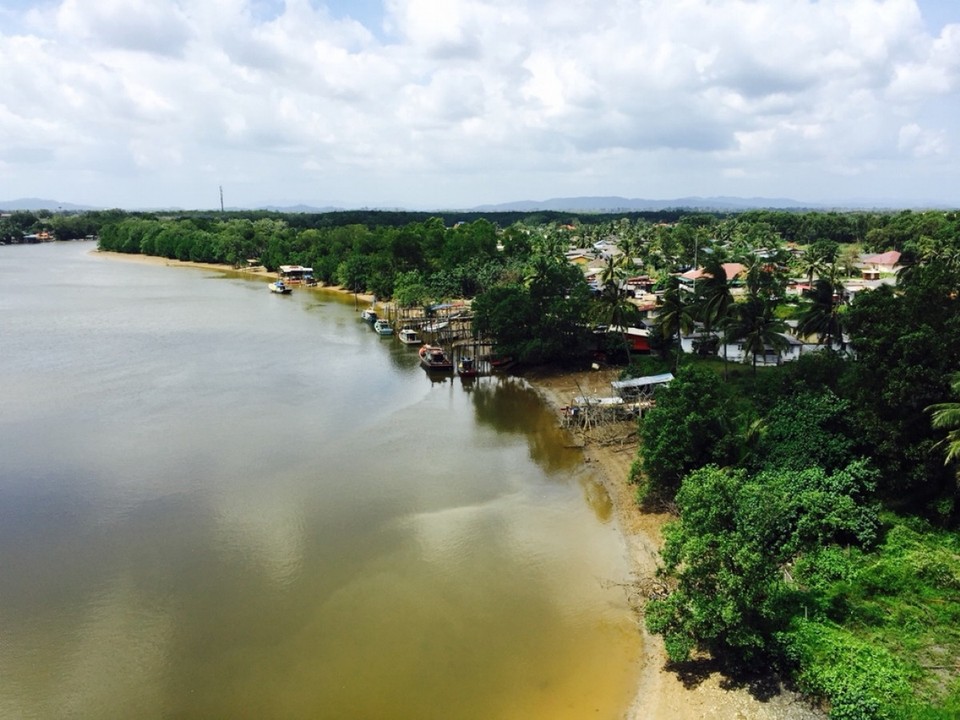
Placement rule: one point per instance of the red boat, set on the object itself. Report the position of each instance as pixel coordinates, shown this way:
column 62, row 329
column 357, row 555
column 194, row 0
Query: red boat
column 467, row 368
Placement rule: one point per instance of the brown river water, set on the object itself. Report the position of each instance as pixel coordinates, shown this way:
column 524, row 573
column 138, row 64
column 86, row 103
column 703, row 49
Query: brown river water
column 216, row 502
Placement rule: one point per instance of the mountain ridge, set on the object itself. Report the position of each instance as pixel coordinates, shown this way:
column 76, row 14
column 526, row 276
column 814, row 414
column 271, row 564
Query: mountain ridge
column 585, row 204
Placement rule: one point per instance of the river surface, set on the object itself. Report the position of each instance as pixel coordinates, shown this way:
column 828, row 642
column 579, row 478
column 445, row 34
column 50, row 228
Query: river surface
column 216, row 502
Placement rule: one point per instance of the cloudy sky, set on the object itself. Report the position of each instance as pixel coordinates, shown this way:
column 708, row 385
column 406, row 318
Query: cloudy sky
column 432, row 104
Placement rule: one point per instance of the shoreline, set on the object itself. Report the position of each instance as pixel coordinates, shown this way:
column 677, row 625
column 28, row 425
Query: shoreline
column 659, row 694
column 251, row 272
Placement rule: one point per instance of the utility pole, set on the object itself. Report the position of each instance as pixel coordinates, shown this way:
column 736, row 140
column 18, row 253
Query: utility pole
column 221, row 198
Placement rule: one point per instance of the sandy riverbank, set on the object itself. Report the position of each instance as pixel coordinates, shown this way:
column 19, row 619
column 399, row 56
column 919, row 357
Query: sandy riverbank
column 702, row 693
column 257, row 271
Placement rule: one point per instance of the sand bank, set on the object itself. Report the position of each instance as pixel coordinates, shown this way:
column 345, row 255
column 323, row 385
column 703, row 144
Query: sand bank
column 257, row 271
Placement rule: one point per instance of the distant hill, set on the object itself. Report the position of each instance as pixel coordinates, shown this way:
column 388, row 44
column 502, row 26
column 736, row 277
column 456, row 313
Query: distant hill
column 41, row 204
column 621, row 204
column 298, row 209
column 585, row 204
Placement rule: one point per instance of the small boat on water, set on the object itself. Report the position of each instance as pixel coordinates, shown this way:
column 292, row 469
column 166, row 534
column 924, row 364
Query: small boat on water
column 433, row 357
column 280, row 288
column 382, row 327
column 409, row 336
column 369, row 315
column 499, row 362
column 435, row 326
column 467, row 368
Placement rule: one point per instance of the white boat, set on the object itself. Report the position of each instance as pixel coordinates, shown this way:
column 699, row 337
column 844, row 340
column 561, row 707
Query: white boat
column 280, row 288
column 436, row 326
column 409, row 336
column 369, row 315
column 382, row 327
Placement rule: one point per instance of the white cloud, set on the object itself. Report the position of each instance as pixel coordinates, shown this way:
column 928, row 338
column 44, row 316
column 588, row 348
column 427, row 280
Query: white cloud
column 141, row 25
column 464, row 101
column 921, row 143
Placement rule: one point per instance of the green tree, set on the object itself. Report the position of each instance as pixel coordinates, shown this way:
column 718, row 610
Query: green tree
column 905, row 343
column 946, row 416
column 550, row 317
column 690, row 426
column 716, row 305
column 810, row 428
column 614, row 308
column 727, row 552
column 823, row 315
column 410, row 290
column 674, row 316
column 756, row 325
column 817, row 257
column 353, row 273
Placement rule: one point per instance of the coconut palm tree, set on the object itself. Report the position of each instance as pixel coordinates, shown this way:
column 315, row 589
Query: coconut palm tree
column 810, row 263
column 675, row 315
column 614, row 308
column 758, row 327
column 946, row 416
column 822, row 316
column 716, row 301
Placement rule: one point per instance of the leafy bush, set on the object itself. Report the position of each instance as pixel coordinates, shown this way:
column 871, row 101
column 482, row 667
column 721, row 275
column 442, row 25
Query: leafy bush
column 859, row 680
column 690, row 427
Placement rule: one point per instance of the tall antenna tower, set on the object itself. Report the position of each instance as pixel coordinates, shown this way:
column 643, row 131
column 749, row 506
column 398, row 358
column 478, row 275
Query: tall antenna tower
column 221, row 198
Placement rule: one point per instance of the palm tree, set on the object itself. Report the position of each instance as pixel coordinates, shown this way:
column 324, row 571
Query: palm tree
column 758, row 327
column 946, row 416
column 930, row 251
column 614, row 307
column 822, row 316
column 675, row 315
column 716, row 301
column 810, row 263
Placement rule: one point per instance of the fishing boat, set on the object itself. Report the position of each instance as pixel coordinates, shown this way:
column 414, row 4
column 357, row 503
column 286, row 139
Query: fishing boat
column 369, row 315
column 280, row 287
column 409, row 336
column 467, row 368
column 433, row 357
column 382, row 327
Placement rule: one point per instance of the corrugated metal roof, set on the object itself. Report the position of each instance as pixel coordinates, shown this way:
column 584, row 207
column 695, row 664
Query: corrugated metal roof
column 642, row 381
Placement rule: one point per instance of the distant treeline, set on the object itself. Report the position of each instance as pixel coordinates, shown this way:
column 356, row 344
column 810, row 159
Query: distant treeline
column 367, row 250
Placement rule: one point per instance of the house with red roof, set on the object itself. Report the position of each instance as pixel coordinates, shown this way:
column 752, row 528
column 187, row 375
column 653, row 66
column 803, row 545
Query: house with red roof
column 872, row 266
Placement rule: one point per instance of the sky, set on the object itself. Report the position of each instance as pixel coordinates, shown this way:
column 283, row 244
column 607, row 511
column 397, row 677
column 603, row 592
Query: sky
column 450, row 104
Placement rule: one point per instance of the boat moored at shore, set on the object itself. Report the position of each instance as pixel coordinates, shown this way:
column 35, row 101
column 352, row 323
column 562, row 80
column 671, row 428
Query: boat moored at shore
column 280, row 288
column 382, row 327
column 467, row 368
column 409, row 336
column 432, row 357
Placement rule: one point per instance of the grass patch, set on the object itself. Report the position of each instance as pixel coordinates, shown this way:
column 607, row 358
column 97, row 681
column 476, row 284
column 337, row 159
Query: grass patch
column 896, row 612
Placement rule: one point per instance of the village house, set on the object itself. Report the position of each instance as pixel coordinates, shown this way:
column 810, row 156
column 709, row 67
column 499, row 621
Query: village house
column 873, row 267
